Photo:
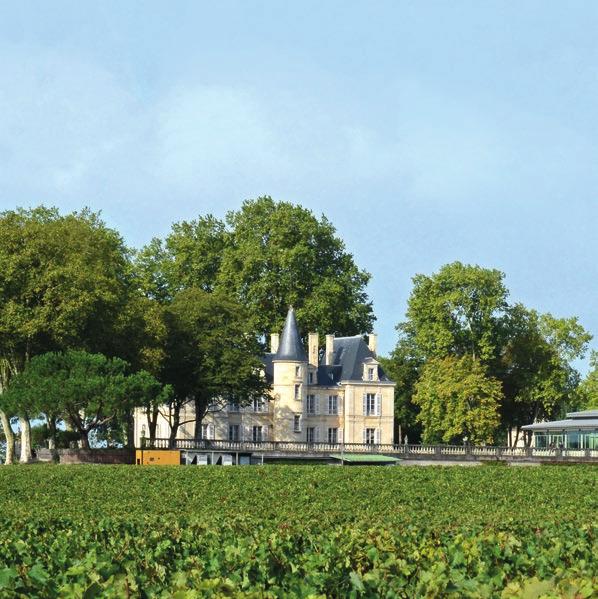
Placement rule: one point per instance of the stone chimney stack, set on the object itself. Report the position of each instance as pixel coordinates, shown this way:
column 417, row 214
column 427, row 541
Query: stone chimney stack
column 312, row 351
column 373, row 343
column 329, row 350
column 274, row 342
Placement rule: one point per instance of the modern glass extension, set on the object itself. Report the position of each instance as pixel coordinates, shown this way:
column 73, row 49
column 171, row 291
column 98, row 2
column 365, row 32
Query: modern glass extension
column 578, row 431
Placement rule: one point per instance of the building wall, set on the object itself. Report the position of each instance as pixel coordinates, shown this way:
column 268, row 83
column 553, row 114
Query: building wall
column 278, row 419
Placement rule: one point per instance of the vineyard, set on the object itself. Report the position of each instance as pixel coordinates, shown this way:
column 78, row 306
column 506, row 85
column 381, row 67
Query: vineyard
column 298, row 531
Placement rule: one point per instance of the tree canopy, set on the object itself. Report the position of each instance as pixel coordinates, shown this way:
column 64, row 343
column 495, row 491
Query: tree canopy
column 463, row 311
column 458, row 401
column 87, row 391
column 64, row 282
column 213, row 357
column 267, row 255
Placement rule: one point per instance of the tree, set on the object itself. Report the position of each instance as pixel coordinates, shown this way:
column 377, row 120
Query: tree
column 63, row 282
column 212, row 357
column 457, row 311
column 463, row 311
column 86, row 390
column 279, row 254
column 404, row 368
column 458, row 401
column 588, row 388
column 539, row 381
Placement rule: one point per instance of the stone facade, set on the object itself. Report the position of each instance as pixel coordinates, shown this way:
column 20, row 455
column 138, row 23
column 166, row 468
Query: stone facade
column 338, row 393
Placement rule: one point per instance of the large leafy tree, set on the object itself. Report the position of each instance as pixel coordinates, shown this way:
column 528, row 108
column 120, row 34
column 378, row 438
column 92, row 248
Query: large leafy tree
column 536, row 369
column 588, row 388
column 404, row 367
column 280, row 254
column 190, row 256
column 63, row 282
column 457, row 401
column 457, row 311
column 267, row 255
column 462, row 310
column 212, row 357
column 87, row 391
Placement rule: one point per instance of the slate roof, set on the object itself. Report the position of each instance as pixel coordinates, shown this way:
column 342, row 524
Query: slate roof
column 583, row 414
column 349, row 354
column 575, row 421
column 290, row 347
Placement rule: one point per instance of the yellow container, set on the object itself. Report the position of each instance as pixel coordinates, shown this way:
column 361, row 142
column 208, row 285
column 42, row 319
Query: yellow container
column 158, row 457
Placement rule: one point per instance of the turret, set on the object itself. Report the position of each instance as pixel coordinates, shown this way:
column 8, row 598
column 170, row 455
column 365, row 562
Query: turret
column 290, row 379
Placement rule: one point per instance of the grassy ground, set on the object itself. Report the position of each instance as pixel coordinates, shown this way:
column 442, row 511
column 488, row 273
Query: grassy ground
column 298, row 531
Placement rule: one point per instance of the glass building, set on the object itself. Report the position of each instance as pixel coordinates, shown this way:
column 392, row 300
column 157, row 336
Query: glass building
column 578, row 431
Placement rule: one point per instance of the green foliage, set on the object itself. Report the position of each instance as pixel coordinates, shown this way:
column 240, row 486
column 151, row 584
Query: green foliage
column 457, row 401
column 457, row 311
column 276, row 532
column 280, row 254
column 267, row 255
column 462, row 310
column 538, row 379
column 212, row 355
column 588, row 389
column 63, row 281
column 86, row 390
column 404, row 369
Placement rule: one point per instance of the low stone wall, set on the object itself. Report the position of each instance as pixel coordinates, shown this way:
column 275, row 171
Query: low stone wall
column 90, row 456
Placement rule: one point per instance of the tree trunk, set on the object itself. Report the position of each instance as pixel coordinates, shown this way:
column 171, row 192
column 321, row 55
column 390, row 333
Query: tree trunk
column 130, row 429
column 516, row 436
column 25, row 425
column 174, row 426
column 152, row 423
column 84, row 440
column 52, row 438
column 198, row 419
column 10, row 438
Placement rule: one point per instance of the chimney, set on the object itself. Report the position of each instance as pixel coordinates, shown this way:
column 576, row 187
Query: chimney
column 373, row 342
column 329, row 350
column 274, row 342
column 312, row 344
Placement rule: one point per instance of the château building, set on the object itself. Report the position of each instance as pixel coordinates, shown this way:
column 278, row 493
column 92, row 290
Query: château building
column 338, row 393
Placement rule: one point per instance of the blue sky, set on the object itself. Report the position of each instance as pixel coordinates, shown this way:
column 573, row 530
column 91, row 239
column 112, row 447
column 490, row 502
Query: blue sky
column 426, row 131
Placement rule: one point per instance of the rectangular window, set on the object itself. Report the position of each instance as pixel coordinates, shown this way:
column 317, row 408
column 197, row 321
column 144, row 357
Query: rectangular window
column 297, row 423
column 207, row 431
column 259, row 404
column 298, row 372
column 311, row 434
column 310, row 378
column 310, row 405
column 369, row 436
column 298, row 392
column 333, row 435
column 370, row 374
column 257, row 434
column 233, row 406
column 233, row 432
column 370, row 404
column 333, row 404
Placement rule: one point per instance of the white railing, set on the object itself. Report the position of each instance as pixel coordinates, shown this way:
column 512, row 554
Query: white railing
column 407, row 451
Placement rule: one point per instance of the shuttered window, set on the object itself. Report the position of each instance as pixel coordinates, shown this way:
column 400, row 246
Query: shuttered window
column 369, row 436
column 333, row 404
column 333, row 435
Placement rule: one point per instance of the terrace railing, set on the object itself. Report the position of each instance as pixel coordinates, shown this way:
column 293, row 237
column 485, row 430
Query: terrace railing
column 434, row 452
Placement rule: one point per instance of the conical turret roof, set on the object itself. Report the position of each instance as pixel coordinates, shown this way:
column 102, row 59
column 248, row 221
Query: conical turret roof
column 290, row 347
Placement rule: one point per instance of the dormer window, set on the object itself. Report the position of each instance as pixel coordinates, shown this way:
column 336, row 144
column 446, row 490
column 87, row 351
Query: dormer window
column 370, row 370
